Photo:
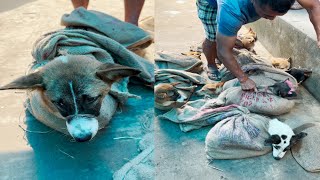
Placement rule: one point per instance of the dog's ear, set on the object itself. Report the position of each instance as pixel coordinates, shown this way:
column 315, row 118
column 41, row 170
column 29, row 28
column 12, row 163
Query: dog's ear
column 296, row 138
column 274, row 139
column 112, row 72
column 30, row 81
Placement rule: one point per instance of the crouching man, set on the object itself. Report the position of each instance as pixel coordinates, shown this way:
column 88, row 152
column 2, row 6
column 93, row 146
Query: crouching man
column 222, row 19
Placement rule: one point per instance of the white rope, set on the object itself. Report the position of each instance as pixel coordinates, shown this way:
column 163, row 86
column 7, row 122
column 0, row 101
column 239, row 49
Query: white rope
column 74, row 98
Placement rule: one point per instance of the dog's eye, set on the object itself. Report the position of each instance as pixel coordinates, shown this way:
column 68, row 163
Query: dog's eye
column 283, row 137
column 92, row 99
column 60, row 103
column 276, row 147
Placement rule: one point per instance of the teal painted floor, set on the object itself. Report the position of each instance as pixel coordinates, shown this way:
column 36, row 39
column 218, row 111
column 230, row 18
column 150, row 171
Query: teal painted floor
column 55, row 156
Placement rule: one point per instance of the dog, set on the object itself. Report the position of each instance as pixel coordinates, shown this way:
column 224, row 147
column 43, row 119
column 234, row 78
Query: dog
column 300, row 74
column 282, row 138
column 284, row 89
column 71, row 94
column 211, row 90
column 246, row 40
column 166, row 92
column 168, row 97
column 281, row 63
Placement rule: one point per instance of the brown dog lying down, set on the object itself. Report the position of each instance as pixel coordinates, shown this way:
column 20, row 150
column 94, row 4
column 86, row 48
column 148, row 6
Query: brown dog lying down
column 281, row 63
column 70, row 94
column 246, row 40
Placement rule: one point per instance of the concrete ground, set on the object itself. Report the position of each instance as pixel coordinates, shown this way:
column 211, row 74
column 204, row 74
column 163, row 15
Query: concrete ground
column 181, row 155
column 52, row 155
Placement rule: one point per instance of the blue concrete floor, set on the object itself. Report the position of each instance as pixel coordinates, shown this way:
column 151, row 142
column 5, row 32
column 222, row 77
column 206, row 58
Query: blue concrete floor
column 55, row 156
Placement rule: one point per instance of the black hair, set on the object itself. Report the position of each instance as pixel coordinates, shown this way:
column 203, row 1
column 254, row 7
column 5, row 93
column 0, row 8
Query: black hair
column 280, row 6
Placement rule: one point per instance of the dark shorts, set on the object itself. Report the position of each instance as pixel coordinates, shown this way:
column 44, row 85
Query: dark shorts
column 208, row 15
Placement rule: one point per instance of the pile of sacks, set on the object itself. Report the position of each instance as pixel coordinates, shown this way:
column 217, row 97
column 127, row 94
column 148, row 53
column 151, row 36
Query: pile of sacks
column 240, row 119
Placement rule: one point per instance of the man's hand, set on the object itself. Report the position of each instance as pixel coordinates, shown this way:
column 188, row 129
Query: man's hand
column 248, row 85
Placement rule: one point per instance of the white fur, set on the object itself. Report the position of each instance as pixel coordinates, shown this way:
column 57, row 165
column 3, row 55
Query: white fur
column 81, row 126
column 277, row 127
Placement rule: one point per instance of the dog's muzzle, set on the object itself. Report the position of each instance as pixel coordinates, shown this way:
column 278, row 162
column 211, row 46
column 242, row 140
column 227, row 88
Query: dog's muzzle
column 82, row 127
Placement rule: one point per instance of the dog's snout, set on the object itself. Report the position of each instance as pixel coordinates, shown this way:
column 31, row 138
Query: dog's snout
column 72, row 117
column 87, row 137
column 277, row 158
column 82, row 128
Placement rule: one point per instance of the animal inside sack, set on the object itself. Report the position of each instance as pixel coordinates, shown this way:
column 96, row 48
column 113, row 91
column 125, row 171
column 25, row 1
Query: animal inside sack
column 300, row 74
column 282, row 138
column 284, row 89
column 71, row 94
column 166, row 92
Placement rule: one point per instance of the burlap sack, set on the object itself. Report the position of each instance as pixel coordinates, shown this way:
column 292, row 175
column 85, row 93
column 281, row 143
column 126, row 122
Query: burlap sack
column 264, row 101
column 193, row 116
column 306, row 152
column 166, row 60
column 257, row 102
column 238, row 137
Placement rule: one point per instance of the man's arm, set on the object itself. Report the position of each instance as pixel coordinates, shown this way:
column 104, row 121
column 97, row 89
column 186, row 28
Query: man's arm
column 225, row 45
column 313, row 8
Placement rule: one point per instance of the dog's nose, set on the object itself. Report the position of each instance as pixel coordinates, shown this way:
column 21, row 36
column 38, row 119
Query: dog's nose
column 84, row 138
column 82, row 128
column 276, row 158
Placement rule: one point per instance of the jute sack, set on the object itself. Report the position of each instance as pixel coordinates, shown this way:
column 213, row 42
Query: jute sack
column 238, row 137
column 193, row 116
column 257, row 102
column 263, row 101
column 306, row 152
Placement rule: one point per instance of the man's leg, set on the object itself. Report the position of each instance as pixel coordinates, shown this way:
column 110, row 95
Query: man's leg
column 132, row 10
column 210, row 51
column 207, row 15
column 79, row 3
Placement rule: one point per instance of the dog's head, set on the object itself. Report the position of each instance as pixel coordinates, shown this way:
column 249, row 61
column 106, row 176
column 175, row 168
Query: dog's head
column 301, row 74
column 284, row 89
column 281, row 63
column 282, row 138
column 165, row 93
column 252, row 34
column 246, row 40
column 73, row 88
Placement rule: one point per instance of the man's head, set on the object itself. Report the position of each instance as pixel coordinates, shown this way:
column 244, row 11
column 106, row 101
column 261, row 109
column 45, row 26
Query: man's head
column 269, row 9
